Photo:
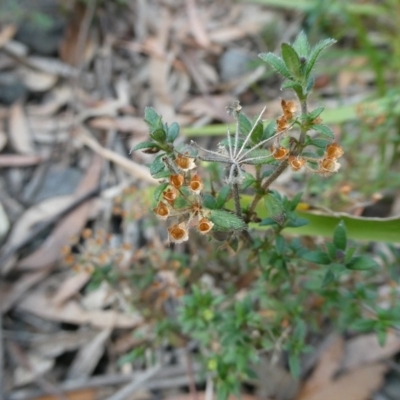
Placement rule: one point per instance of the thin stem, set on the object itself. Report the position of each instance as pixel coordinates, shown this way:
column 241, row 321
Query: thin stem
column 284, row 164
column 236, row 199
column 265, row 186
column 303, row 129
column 251, row 131
column 208, row 151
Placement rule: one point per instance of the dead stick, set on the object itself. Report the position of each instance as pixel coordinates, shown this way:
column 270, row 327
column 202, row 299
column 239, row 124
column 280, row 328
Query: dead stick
column 1, row 359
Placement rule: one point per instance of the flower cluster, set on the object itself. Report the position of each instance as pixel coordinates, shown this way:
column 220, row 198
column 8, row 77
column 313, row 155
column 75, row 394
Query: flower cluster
column 181, row 200
column 94, row 251
column 325, row 164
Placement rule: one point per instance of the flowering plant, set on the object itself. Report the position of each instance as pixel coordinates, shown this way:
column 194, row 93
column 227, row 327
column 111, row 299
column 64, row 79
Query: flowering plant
column 285, row 143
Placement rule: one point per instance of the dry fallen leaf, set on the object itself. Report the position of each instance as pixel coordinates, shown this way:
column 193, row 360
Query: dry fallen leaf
column 21, row 229
column 358, row 384
column 38, row 303
column 70, row 287
column 328, row 364
column 19, row 132
column 365, row 349
column 88, row 356
column 50, row 250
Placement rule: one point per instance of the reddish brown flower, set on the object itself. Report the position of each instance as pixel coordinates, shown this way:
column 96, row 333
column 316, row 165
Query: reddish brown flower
column 170, row 195
column 196, row 184
column 185, row 163
column 333, row 151
column 288, row 108
column 161, row 211
column 296, row 162
column 177, row 180
column 204, row 226
column 280, row 153
column 178, row 233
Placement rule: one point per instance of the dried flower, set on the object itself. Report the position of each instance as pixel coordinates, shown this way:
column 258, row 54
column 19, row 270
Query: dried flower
column 288, row 108
column 170, row 195
column 178, row 233
column 328, row 166
column 333, row 151
column 177, row 180
column 161, row 211
column 185, row 163
column 204, row 226
column 282, row 124
column 296, row 162
column 280, row 153
column 196, row 184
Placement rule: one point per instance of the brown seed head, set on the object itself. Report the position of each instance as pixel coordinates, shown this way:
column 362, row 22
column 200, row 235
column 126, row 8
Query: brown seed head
column 296, row 162
column 280, row 153
column 170, row 195
column 328, row 166
column 196, row 184
column 288, row 108
column 178, row 233
column 333, row 151
column 161, row 211
column 177, row 180
column 185, row 163
column 204, row 226
column 282, row 124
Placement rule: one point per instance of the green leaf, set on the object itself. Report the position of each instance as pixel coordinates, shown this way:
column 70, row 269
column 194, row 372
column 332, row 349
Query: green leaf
column 280, row 244
column 157, row 165
column 257, row 133
column 269, row 130
column 382, row 336
column 158, row 191
column 294, row 364
column 315, row 113
column 324, row 130
column 317, row 257
column 276, row 63
column 294, row 86
column 159, row 135
column 361, row 263
column 209, row 201
column 295, row 201
column 291, row 59
column 222, row 196
column 340, row 236
column 152, row 119
column 310, row 84
column 328, row 278
column 301, row 45
column 145, row 145
column 226, row 221
column 364, row 325
column 274, row 208
column 259, row 156
column 315, row 52
column 320, row 143
column 244, row 124
column 173, row 132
